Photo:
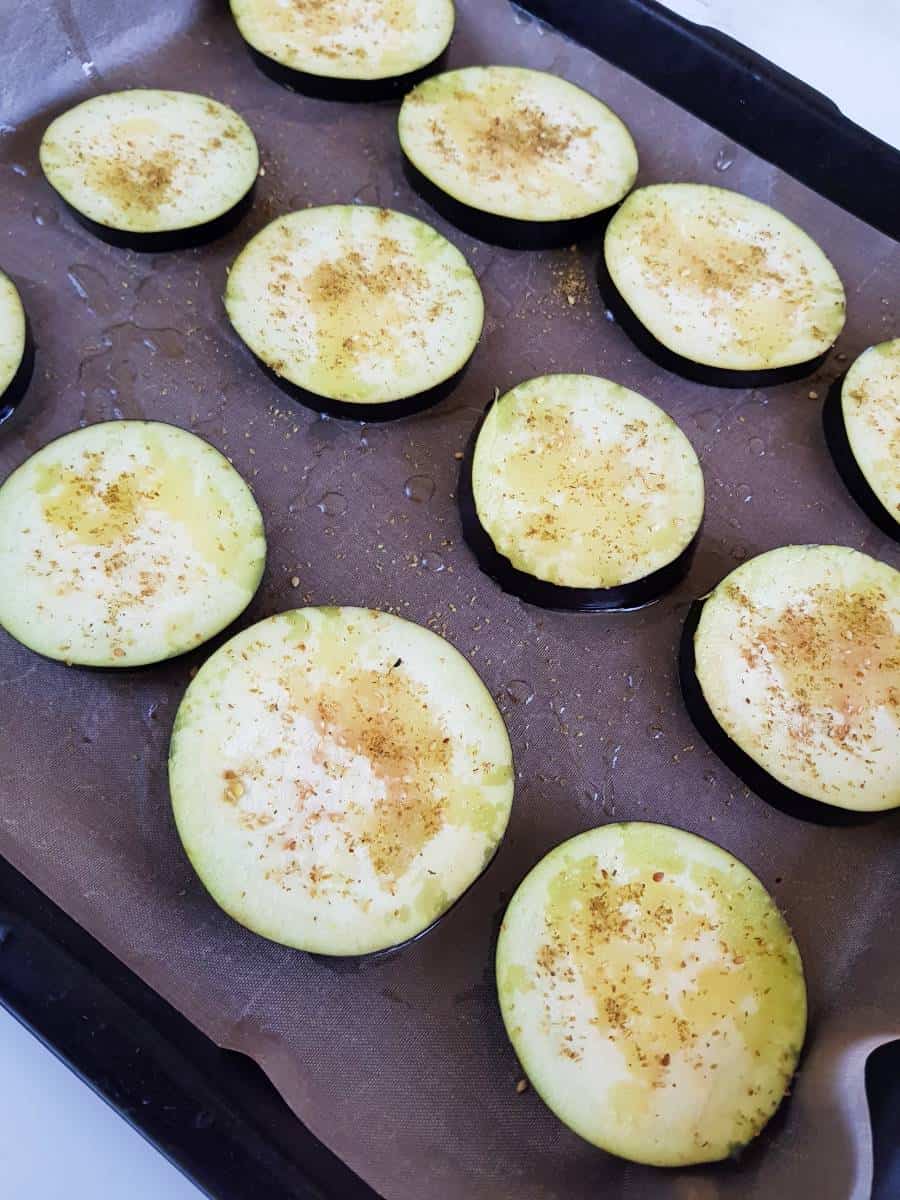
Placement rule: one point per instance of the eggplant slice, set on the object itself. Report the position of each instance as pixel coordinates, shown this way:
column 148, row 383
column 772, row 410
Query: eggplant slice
column 580, row 494
column 339, row 777
column 16, row 349
column 862, row 427
column 653, row 993
column 152, row 170
column 346, row 49
column 790, row 669
column 129, row 542
column 359, row 312
column 513, row 156
column 719, row 288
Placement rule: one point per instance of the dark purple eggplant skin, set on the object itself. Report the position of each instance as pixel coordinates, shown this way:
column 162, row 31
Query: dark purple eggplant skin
column 12, row 397
column 626, row 598
column 757, row 778
column 686, row 367
column 508, row 232
column 348, row 91
column 168, row 240
column 391, row 410
column 848, row 468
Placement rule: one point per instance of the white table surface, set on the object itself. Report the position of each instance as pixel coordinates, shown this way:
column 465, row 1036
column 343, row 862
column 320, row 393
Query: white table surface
column 848, row 51
column 58, row 1141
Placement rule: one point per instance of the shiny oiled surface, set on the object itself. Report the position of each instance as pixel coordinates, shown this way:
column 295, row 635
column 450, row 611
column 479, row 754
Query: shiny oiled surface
column 653, row 993
column 723, row 280
column 129, row 541
column 584, row 483
column 517, row 143
column 347, row 39
column 148, row 161
column 798, row 656
column 339, row 777
column 355, row 303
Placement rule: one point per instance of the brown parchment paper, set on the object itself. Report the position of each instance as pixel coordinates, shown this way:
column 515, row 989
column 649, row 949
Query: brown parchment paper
column 401, row 1065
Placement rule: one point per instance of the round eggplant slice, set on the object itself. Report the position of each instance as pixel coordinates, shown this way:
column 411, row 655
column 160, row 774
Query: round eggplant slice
column 152, row 170
column 718, row 287
column 346, row 49
column 862, row 427
column 129, row 542
column 339, row 777
column 16, row 349
column 360, row 312
column 791, row 671
column 513, row 156
column 653, row 993
column 580, row 494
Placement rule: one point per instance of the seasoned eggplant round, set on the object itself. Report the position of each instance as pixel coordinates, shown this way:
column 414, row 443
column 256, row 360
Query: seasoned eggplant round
column 361, row 312
column 791, row 671
column 152, row 170
column 653, row 993
column 16, row 350
column 718, row 287
column 346, row 49
column 581, row 494
column 515, row 156
column 862, row 426
column 128, row 542
column 339, row 777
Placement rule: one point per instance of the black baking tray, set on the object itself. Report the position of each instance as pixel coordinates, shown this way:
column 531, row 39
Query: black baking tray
column 210, row 1111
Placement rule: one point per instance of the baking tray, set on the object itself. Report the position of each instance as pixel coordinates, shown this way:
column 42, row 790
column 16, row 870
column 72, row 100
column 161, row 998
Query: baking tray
column 212, row 1111
column 209, row 1111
